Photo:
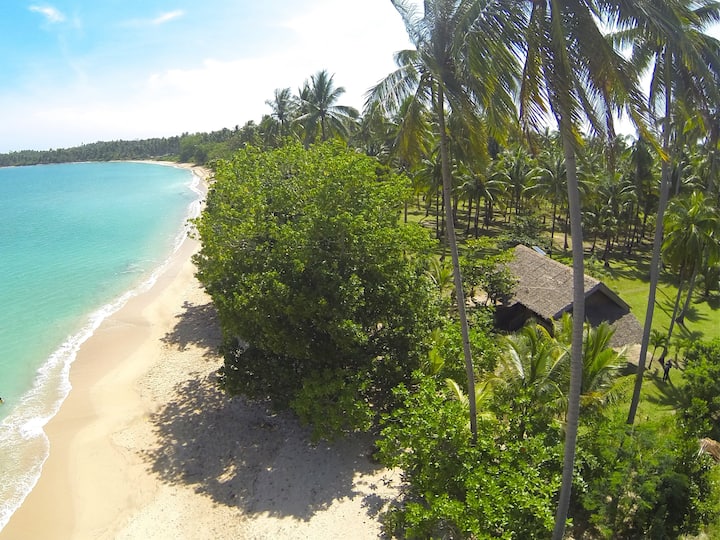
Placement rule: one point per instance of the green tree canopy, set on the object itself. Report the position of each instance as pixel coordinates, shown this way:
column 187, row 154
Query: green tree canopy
column 314, row 276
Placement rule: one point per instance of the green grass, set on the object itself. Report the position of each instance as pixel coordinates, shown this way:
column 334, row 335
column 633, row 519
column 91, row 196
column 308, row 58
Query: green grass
column 628, row 275
column 630, row 278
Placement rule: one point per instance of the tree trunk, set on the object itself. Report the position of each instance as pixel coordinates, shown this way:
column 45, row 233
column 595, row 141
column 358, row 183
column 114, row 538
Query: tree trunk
column 452, row 242
column 655, row 261
column 477, row 217
column 676, row 307
column 576, row 356
column 691, row 289
column 469, row 216
column 552, row 228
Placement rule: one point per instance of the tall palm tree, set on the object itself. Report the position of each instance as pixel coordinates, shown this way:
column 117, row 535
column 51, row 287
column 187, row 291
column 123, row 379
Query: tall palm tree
column 551, row 183
column 283, row 107
column 318, row 99
column 440, row 73
column 692, row 240
column 519, row 174
column 666, row 36
column 569, row 68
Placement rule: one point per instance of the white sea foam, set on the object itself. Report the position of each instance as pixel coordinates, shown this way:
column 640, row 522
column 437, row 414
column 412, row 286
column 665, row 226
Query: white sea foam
column 24, row 446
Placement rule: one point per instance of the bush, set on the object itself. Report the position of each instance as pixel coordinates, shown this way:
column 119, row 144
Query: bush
column 647, row 481
column 501, row 487
column 702, row 390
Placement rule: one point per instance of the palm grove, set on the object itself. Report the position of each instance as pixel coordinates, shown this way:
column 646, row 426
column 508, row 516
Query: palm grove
column 330, row 249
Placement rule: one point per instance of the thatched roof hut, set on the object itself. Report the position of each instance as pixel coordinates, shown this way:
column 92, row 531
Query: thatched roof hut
column 544, row 292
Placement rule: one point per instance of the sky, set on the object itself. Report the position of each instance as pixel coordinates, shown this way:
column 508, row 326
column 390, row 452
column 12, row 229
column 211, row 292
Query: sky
column 80, row 71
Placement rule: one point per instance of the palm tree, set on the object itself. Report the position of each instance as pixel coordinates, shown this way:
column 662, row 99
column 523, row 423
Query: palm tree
column 317, row 104
column 641, row 167
column 658, row 339
column 693, row 239
column 283, row 107
column 601, row 363
column 439, row 73
column 551, row 182
column 533, row 362
column 666, row 36
column 518, row 174
column 569, row 67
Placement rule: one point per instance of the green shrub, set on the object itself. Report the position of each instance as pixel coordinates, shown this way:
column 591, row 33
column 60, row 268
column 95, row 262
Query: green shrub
column 500, row 488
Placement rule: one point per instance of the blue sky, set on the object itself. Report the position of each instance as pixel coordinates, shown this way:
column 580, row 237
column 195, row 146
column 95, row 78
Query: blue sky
column 78, row 71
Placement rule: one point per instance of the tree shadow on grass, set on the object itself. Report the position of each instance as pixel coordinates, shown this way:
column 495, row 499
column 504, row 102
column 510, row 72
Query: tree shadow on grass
column 669, row 394
column 241, row 454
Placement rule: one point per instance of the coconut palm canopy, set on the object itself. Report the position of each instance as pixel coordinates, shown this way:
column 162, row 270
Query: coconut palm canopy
column 544, row 291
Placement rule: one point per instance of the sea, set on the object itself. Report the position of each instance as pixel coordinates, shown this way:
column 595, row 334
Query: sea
column 76, row 242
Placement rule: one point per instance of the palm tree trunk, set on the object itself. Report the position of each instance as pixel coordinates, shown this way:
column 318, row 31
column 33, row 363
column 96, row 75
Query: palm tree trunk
column 552, row 229
column 676, row 307
column 469, row 216
column 576, row 358
column 452, row 243
column 688, row 297
column 655, row 260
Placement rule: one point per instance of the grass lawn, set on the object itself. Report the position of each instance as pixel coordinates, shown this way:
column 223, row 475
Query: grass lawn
column 630, row 278
column 628, row 275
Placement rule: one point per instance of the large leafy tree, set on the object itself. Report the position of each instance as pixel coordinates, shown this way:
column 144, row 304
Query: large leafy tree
column 440, row 73
column 322, row 293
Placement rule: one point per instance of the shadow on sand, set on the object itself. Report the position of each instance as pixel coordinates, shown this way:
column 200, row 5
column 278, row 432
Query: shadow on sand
column 242, row 455
column 197, row 325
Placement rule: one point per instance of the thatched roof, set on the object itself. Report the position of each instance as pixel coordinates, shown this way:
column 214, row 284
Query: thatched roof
column 544, row 286
column 709, row 446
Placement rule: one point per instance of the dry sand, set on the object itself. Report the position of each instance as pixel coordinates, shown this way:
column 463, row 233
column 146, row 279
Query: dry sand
column 147, row 447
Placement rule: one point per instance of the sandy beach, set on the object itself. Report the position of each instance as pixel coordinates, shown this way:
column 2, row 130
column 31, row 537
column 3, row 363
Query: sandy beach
column 147, row 447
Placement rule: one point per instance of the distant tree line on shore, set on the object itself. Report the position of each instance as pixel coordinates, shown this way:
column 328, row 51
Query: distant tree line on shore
column 197, row 148
column 166, row 148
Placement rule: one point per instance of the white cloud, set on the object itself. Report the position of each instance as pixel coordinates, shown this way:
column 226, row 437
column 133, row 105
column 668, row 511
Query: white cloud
column 169, row 16
column 216, row 92
column 163, row 18
column 51, row 14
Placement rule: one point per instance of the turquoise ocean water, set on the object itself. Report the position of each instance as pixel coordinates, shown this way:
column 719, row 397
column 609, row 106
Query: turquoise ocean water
column 76, row 241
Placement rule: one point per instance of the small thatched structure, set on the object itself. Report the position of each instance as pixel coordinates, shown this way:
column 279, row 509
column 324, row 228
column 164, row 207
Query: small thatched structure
column 711, row 447
column 544, row 292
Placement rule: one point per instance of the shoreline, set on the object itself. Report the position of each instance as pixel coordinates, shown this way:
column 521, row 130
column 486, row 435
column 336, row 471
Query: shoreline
column 146, row 446
column 72, row 346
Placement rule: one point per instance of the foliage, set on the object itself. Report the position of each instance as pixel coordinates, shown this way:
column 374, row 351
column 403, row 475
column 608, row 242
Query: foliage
column 307, row 262
column 445, row 357
column 524, row 230
column 532, row 367
column 646, row 481
column 334, row 402
column 98, row 151
column 501, row 487
column 488, row 272
column 702, row 389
